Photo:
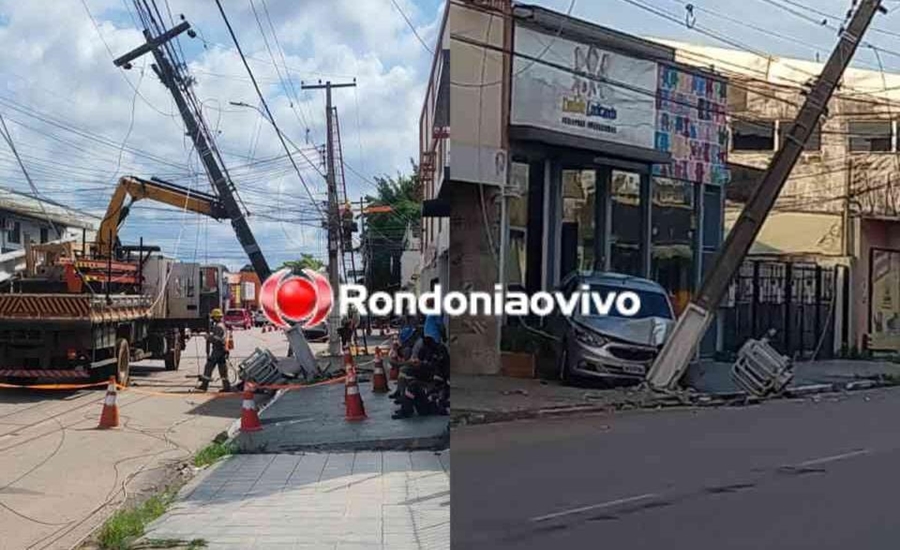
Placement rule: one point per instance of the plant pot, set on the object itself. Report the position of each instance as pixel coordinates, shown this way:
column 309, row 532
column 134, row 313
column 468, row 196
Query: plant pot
column 517, row 365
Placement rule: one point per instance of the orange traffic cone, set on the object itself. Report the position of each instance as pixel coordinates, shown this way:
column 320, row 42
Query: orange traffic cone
column 394, row 357
column 349, row 369
column 379, row 381
column 249, row 417
column 229, row 341
column 109, row 418
column 353, row 400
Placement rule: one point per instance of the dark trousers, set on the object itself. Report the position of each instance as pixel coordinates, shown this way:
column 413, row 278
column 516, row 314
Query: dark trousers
column 217, row 358
column 412, row 386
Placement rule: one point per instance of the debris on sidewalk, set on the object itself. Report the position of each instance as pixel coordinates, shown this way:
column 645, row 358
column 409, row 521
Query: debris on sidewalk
column 760, row 369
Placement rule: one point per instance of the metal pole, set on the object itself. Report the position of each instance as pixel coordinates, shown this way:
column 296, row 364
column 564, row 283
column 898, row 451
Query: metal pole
column 140, row 266
column 676, row 354
column 109, row 266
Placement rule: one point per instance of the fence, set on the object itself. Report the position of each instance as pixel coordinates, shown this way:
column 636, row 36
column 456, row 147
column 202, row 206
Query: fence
column 795, row 299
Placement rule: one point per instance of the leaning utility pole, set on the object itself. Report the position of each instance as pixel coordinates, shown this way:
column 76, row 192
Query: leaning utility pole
column 173, row 81
column 694, row 321
column 333, row 222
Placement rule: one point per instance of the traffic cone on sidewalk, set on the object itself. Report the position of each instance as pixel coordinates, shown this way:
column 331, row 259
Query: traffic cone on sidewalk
column 379, row 380
column 353, row 402
column 249, row 417
column 394, row 357
column 109, row 418
column 229, row 341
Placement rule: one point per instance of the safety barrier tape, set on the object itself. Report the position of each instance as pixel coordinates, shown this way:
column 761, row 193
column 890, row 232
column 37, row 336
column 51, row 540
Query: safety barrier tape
column 192, row 392
column 134, row 389
column 54, row 386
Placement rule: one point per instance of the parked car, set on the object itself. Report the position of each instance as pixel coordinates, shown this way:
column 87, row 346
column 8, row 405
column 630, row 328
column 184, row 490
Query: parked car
column 316, row 333
column 259, row 318
column 610, row 348
column 238, row 318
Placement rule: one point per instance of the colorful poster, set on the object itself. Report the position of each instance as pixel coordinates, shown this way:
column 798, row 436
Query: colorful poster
column 885, row 300
column 582, row 90
column 691, row 125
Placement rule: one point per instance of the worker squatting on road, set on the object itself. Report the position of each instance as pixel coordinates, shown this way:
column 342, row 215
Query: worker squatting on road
column 218, row 353
column 423, row 382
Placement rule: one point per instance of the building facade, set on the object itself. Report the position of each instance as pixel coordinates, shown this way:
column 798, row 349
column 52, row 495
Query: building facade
column 575, row 147
column 24, row 219
column 837, row 215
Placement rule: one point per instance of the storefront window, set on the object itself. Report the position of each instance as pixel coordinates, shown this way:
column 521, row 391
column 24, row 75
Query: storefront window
column 671, row 260
column 625, row 238
column 579, row 195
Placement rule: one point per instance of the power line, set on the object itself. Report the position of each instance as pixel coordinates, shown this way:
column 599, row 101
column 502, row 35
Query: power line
column 412, row 27
column 265, row 105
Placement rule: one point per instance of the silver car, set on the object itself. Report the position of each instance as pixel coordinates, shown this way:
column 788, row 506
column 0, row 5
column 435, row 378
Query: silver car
column 610, row 348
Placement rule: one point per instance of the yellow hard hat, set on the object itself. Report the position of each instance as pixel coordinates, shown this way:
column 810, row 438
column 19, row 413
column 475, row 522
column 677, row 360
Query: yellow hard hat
column 216, row 313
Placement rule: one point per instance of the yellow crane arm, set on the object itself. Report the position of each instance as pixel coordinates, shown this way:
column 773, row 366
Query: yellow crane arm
column 157, row 190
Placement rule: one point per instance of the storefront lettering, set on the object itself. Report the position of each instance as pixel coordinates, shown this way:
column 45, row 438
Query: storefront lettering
column 573, row 105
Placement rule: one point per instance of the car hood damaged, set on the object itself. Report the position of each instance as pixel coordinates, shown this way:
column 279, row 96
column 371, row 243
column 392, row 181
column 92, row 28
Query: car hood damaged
column 648, row 331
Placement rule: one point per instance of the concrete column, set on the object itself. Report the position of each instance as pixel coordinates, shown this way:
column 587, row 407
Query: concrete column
column 473, row 267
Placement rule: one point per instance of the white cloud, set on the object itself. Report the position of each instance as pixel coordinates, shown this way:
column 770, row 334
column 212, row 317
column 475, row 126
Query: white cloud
column 55, row 65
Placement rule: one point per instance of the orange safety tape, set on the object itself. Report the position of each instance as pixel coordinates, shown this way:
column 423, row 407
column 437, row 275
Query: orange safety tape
column 54, row 386
column 230, row 394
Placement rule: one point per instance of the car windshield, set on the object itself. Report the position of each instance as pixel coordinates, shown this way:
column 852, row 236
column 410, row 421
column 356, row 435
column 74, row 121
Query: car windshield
column 653, row 304
column 234, row 313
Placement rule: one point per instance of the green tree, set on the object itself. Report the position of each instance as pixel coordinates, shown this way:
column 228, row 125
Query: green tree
column 306, row 261
column 384, row 231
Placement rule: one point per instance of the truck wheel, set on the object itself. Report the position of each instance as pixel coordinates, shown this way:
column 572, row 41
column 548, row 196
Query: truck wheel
column 123, row 358
column 173, row 356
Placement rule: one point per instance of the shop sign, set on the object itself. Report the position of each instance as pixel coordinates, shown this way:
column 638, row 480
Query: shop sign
column 582, row 90
column 692, row 127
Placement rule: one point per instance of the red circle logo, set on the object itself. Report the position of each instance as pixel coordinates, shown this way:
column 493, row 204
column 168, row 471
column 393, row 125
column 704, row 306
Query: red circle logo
column 287, row 298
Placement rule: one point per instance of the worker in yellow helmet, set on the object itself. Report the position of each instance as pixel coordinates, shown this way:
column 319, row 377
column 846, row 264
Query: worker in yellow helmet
column 218, row 353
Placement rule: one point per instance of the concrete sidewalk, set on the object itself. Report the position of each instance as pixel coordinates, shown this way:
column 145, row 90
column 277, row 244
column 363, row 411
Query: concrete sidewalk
column 478, row 399
column 483, row 399
column 313, row 419
column 715, row 377
column 328, row 501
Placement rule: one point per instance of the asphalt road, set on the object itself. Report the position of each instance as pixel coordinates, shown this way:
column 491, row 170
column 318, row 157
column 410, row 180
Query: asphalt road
column 789, row 474
column 60, row 477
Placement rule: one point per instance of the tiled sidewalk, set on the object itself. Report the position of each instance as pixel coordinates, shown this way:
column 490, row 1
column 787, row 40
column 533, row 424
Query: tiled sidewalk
column 371, row 500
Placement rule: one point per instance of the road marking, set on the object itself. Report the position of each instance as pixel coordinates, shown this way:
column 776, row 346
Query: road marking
column 833, row 458
column 607, row 504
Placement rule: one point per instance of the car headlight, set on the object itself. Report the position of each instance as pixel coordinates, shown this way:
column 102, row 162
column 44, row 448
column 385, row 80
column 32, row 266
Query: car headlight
column 588, row 337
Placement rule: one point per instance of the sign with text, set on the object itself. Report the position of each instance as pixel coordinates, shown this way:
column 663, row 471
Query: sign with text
column 582, row 90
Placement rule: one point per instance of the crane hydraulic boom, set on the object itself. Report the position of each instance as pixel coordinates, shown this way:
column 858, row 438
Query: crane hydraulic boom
column 157, row 190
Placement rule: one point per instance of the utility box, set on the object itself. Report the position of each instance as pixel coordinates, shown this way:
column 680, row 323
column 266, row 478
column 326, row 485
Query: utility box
column 760, row 369
column 183, row 291
column 173, row 286
column 156, row 268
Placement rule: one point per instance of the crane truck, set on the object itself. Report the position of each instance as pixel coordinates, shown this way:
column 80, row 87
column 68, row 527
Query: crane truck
column 87, row 312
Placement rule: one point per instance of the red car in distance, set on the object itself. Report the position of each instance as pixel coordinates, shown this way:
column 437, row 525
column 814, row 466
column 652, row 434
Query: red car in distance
column 238, row 318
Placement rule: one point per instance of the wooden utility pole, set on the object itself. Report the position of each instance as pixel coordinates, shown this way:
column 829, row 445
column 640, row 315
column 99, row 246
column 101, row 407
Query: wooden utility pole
column 694, row 321
column 333, row 222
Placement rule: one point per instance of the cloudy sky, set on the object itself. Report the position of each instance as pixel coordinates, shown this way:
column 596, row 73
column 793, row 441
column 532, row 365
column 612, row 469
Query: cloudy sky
column 80, row 123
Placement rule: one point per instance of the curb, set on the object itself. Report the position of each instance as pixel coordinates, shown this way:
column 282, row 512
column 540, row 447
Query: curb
column 474, row 417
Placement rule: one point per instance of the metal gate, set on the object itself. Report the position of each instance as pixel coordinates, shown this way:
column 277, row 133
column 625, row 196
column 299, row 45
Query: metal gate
column 794, row 299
